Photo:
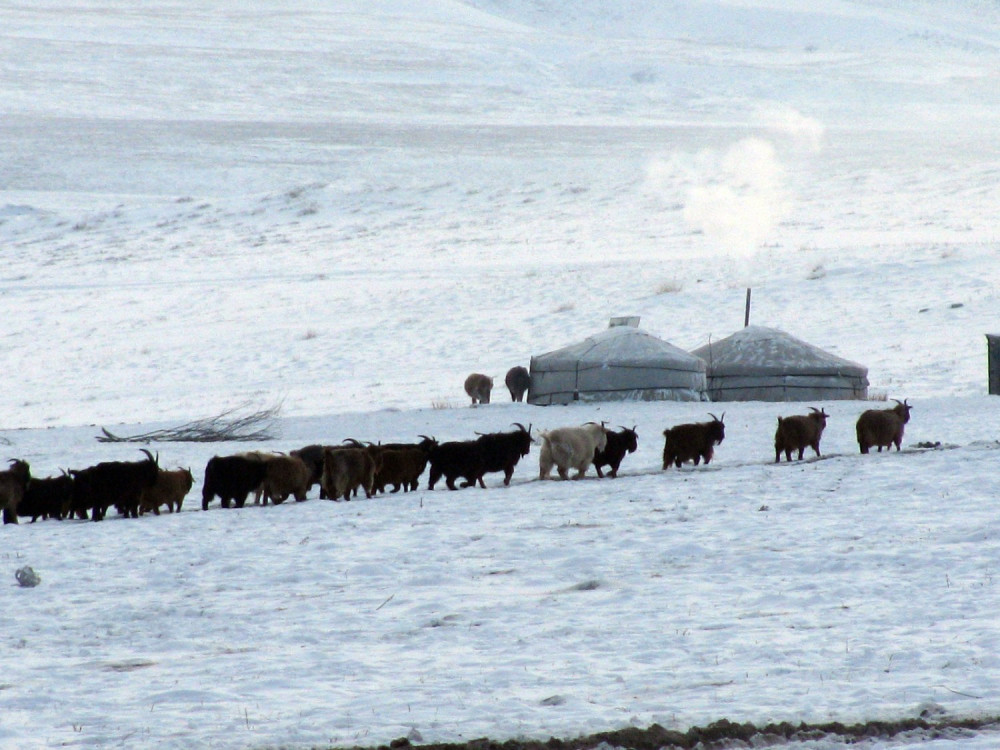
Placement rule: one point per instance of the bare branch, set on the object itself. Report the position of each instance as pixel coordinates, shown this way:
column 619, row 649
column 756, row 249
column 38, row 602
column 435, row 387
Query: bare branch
column 228, row 426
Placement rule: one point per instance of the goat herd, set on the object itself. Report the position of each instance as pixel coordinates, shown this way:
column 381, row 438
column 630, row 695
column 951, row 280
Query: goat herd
column 137, row 487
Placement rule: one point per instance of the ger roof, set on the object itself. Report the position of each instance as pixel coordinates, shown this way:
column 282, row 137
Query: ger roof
column 623, row 346
column 769, row 351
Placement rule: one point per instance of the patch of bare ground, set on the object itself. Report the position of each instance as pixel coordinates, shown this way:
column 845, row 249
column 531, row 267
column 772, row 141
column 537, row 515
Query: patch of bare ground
column 721, row 735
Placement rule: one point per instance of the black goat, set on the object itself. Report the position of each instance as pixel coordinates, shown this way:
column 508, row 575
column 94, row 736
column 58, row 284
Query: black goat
column 118, row 483
column 50, row 497
column 312, row 457
column 502, row 450
column 692, row 442
column 518, row 381
column 619, row 443
column 232, row 479
column 451, row 460
column 13, row 483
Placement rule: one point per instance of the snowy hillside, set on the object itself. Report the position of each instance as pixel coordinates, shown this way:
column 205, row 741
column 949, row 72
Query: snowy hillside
column 486, row 186
column 346, row 208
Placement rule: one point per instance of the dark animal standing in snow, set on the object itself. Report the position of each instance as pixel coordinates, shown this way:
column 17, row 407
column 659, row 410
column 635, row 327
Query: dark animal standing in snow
column 118, row 483
column 692, row 442
column 619, row 443
column 479, row 386
column 346, row 469
column 454, row 459
column 502, row 450
column 13, row 483
column 883, row 427
column 50, row 497
column 401, row 468
column 568, row 448
column 797, row 432
column 518, row 381
column 170, row 489
column 312, row 455
column 285, row 476
column 232, row 479
column 403, row 464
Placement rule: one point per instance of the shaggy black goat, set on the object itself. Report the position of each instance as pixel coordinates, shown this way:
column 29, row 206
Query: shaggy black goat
column 232, row 479
column 692, row 442
column 619, row 443
column 460, row 458
column 502, row 450
column 312, row 456
column 50, row 497
column 13, row 483
column 518, row 381
column 118, row 483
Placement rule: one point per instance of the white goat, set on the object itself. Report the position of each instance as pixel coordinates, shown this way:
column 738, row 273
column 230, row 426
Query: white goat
column 570, row 448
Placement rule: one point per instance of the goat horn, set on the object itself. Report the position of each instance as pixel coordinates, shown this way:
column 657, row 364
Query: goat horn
column 518, row 424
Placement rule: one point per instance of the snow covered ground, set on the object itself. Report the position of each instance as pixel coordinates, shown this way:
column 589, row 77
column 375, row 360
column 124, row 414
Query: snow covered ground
column 348, row 207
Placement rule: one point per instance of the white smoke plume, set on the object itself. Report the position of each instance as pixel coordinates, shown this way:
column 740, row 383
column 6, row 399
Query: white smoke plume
column 800, row 131
column 737, row 196
column 742, row 199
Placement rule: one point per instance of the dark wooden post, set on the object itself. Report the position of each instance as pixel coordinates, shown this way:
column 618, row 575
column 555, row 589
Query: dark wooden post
column 993, row 363
column 746, row 318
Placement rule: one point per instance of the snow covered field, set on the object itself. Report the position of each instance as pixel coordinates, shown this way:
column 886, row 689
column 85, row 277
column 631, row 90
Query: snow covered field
column 348, row 207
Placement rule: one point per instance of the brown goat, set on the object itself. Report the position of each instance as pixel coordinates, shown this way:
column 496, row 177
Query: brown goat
column 13, row 483
column 692, row 442
column 346, row 469
column 262, row 457
column 479, row 386
column 883, row 427
column 400, row 467
column 170, row 489
column 284, row 476
column 797, row 432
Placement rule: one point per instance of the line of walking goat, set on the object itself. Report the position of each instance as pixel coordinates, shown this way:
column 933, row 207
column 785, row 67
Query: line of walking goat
column 879, row 428
column 399, row 466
